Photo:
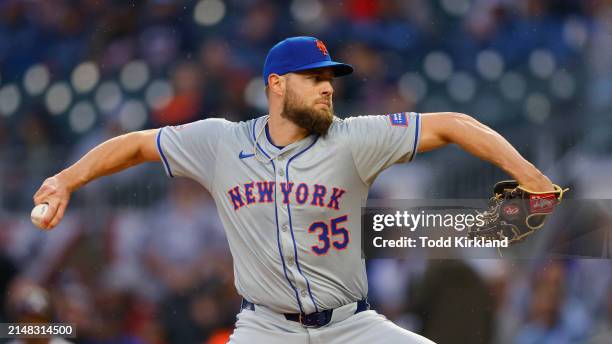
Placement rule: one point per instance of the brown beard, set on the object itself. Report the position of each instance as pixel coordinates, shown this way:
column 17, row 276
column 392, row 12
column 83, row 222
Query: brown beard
column 313, row 120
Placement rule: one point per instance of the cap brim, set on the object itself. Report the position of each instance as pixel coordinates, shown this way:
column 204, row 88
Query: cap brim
column 340, row 69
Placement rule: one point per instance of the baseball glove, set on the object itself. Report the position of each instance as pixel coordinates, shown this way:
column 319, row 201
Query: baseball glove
column 515, row 212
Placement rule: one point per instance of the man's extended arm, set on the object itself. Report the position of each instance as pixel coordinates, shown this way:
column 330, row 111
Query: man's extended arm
column 439, row 129
column 109, row 157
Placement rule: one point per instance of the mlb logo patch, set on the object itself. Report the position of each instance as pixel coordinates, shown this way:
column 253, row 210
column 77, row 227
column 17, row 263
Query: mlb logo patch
column 398, row 119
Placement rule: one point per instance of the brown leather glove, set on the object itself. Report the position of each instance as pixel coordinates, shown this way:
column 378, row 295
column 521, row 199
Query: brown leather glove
column 516, row 212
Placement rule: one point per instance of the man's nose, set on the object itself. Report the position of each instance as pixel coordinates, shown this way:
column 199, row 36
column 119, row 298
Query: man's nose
column 327, row 89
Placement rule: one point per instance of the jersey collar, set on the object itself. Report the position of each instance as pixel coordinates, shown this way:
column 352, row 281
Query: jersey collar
column 271, row 149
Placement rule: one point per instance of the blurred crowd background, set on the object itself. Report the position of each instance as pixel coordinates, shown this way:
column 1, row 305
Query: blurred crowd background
column 141, row 259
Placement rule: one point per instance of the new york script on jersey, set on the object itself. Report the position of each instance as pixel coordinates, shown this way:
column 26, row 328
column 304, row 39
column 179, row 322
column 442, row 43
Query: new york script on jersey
column 300, row 193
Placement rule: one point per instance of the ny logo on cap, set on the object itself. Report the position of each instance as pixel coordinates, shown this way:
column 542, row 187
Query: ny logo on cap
column 322, row 47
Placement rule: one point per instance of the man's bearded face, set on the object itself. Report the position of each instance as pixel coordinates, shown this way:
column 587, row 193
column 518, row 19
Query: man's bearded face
column 314, row 117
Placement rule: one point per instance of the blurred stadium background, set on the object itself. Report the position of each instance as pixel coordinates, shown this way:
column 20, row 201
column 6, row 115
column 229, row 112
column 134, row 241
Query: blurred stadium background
column 140, row 259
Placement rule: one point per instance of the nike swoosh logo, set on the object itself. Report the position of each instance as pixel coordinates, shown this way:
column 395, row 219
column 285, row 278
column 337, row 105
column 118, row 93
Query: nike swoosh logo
column 242, row 155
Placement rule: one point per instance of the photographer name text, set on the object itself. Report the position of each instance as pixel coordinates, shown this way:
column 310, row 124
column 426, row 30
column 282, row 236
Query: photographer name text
column 443, row 242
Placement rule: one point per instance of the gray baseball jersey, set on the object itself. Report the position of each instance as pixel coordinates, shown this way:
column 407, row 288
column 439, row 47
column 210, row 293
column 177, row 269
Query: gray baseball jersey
column 292, row 214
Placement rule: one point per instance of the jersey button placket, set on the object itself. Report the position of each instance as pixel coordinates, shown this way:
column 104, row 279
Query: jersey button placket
column 280, row 177
column 285, row 234
column 299, row 280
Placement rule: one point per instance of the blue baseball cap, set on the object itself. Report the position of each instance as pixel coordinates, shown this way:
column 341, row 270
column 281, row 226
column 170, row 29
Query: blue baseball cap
column 296, row 54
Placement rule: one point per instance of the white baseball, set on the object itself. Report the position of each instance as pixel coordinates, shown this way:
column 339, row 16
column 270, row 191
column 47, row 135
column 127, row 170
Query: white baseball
column 38, row 213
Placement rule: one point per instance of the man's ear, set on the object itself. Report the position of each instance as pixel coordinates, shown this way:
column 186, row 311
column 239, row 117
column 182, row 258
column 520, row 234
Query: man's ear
column 276, row 84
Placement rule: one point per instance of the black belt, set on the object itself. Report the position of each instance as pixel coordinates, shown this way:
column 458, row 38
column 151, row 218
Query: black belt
column 316, row 319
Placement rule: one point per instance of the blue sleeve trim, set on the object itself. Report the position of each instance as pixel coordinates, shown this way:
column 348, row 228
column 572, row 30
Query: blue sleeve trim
column 416, row 136
column 163, row 156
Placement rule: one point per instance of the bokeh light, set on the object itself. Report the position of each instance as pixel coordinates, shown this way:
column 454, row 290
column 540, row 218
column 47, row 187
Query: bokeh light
column 82, row 117
column 36, row 79
column 254, row 94
column 438, row 66
column 134, row 75
column 10, row 98
column 575, row 33
column 537, row 107
column 456, row 7
column 209, row 12
column 306, row 11
column 490, row 64
column 108, row 97
column 542, row 63
column 133, row 115
column 85, row 77
column 158, row 94
column 58, row 98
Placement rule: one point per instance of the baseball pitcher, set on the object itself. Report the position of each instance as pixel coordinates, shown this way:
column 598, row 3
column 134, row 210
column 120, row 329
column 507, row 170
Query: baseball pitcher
column 288, row 187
